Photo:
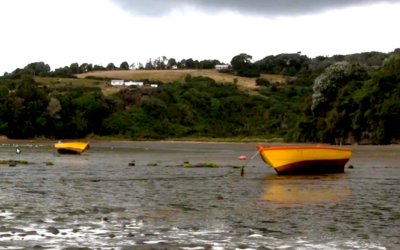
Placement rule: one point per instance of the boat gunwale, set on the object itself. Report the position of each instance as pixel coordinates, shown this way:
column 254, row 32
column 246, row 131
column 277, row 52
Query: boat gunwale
column 261, row 148
column 79, row 145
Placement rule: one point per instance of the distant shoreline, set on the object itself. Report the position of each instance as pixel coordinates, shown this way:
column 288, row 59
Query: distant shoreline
column 4, row 139
column 275, row 141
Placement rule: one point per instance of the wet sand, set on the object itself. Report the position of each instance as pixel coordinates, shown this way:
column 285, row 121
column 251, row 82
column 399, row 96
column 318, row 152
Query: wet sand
column 96, row 200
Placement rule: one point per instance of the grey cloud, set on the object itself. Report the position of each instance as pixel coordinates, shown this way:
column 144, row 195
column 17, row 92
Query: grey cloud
column 266, row 8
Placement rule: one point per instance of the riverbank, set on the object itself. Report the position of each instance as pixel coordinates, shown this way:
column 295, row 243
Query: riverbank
column 193, row 140
column 103, row 139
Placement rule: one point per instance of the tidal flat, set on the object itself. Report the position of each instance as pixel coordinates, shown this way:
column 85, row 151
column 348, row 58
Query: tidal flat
column 97, row 201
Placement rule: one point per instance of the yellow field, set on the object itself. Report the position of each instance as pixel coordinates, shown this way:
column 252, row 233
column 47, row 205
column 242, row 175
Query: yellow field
column 179, row 75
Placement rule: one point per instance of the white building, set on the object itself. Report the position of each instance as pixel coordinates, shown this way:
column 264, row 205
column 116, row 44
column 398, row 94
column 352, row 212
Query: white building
column 174, row 67
column 117, row 82
column 219, row 67
column 153, row 85
column 130, row 83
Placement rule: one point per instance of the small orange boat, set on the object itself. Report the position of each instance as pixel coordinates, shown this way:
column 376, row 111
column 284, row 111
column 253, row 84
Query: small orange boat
column 305, row 159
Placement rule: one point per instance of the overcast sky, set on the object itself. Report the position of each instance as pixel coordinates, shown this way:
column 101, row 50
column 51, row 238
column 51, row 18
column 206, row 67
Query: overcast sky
column 60, row 32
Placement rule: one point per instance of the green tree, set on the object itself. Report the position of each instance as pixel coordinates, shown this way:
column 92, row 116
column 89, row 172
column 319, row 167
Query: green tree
column 65, row 72
column 244, row 67
column 124, row 66
column 336, row 76
column 83, row 68
column 111, row 66
column 99, row 68
column 240, row 61
column 37, row 69
column 182, row 64
column 74, row 68
column 189, row 63
column 171, row 62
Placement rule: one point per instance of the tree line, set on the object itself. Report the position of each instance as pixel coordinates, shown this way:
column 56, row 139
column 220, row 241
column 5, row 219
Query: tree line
column 162, row 63
column 293, row 64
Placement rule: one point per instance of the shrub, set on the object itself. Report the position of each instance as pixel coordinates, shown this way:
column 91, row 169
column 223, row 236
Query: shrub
column 262, row 82
column 188, row 78
column 226, row 71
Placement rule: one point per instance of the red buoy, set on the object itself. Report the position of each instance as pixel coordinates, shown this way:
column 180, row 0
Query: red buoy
column 242, row 157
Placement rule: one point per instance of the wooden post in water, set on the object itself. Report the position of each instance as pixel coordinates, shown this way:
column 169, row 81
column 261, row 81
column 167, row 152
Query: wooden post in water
column 242, row 170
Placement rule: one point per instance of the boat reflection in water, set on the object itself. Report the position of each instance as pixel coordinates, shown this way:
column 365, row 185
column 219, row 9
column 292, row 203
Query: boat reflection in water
column 70, row 160
column 307, row 191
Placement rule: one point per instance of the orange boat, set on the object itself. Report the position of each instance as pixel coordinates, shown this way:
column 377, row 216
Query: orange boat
column 71, row 147
column 305, row 159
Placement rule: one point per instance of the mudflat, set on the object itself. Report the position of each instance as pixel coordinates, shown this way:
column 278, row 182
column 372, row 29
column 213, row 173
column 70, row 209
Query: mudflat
column 96, row 200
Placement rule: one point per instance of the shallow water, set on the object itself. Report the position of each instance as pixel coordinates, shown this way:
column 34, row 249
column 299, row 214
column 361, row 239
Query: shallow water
column 96, row 200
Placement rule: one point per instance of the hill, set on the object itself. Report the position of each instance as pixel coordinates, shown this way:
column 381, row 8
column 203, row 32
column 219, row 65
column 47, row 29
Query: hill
column 165, row 76
column 340, row 99
column 244, row 83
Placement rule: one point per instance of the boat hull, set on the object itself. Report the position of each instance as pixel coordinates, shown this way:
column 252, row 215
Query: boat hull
column 291, row 160
column 72, row 147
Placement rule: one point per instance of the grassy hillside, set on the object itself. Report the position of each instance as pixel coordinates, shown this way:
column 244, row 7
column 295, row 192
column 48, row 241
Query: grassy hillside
column 55, row 82
column 179, row 75
column 244, row 83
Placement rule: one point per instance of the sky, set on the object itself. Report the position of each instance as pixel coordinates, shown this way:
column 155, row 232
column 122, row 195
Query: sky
column 61, row 32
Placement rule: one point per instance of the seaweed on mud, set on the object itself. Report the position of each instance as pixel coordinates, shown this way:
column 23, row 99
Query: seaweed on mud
column 78, row 248
column 13, row 163
column 209, row 165
column 186, row 164
column 203, row 165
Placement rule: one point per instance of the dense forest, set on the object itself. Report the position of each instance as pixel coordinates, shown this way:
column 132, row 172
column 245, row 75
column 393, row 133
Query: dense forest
column 339, row 99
